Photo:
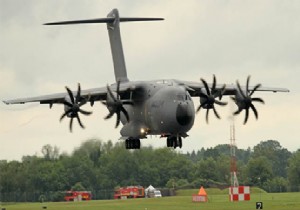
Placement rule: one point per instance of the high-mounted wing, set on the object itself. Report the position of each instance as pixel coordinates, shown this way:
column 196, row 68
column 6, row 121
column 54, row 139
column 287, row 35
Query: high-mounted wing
column 211, row 94
column 59, row 98
column 94, row 94
column 73, row 100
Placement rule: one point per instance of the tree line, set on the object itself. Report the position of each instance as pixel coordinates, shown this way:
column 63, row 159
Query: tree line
column 103, row 166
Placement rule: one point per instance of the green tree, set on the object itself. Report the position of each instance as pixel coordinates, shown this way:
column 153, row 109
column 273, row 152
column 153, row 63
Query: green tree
column 277, row 184
column 294, row 170
column 91, row 149
column 206, row 169
column 277, row 156
column 78, row 187
column 50, row 152
column 259, row 171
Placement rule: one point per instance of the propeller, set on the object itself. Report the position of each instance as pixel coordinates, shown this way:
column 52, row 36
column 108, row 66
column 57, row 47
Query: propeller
column 73, row 107
column 208, row 99
column 244, row 101
column 115, row 104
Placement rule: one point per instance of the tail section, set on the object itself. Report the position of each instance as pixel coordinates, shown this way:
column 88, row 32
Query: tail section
column 113, row 26
column 116, row 46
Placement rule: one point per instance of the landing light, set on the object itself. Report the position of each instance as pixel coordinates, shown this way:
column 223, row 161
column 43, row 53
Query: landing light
column 144, row 131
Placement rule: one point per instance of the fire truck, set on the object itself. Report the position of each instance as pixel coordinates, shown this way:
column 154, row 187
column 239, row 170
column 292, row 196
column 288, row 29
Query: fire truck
column 78, row 195
column 129, row 192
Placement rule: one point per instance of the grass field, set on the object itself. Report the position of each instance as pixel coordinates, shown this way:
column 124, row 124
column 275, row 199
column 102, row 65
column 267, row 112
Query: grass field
column 271, row 201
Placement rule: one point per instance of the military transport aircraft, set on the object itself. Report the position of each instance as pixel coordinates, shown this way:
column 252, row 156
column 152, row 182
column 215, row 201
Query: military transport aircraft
column 160, row 107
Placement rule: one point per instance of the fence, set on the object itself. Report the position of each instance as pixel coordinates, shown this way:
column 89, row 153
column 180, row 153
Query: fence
column 49, row 196
column 105, row 194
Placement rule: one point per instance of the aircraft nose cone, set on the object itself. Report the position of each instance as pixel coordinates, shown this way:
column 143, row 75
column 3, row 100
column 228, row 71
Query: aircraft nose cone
column 184, row 114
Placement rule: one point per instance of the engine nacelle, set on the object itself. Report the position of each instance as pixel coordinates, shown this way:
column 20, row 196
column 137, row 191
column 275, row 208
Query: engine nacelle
column 241, row 102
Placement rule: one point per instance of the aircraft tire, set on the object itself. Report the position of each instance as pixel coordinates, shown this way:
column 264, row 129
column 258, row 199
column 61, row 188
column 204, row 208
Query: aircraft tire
column 132, row 143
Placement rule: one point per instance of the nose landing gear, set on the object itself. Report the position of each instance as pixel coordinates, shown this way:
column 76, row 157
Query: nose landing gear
column 174, row 141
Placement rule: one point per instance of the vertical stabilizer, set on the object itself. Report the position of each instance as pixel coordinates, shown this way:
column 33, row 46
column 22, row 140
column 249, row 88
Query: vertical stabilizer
column 116, row 46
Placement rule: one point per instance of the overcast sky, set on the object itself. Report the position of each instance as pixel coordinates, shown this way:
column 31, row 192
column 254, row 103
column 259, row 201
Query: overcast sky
column 231, row 39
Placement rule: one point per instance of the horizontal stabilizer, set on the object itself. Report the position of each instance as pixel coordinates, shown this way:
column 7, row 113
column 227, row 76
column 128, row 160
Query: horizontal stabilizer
column 103, row 20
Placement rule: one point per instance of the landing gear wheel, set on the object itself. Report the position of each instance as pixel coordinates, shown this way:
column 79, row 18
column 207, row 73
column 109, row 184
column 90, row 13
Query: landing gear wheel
column 174, row 141
column 179, row 142
column 132, row 143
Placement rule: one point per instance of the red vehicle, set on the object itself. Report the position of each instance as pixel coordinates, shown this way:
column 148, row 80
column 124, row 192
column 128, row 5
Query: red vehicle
column 129, row 192
column 78, row 196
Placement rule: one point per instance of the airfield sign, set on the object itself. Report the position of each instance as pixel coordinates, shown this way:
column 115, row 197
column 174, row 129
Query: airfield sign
column 259, row 205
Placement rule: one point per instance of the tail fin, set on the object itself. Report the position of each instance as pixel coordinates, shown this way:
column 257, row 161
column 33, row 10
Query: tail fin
column 113, row 20
column 116, row 46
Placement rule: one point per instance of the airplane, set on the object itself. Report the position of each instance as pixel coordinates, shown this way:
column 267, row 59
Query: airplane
column 159, row 107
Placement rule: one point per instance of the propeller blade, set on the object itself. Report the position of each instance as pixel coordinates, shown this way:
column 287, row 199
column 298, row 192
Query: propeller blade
column 200, row 106
column 111, row 94
column 206, row 86
column 85, row 112
column 258, row 100
column 240, row 89
column 68, row 104
column 246, row 116
column 65, row 114
column 237, row 112
column 109, row 115
column 214, row 84
column 222, row 91
column 221, row 103
column 125, row 113
column 247, row 86
column 207, row 111
column 71, row 95
column 254, row 89
column 216, row 113
column 82, row 102
column 79, row 121
column 78, row 96
column 118, row 119
column 254, row 110
column 71, row 124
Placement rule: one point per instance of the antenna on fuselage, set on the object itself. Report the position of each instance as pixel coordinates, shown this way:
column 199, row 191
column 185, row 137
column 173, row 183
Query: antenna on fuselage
column 113, row 28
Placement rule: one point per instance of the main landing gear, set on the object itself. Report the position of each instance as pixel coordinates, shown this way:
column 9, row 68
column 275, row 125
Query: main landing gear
column 132, row 143
column 174, row 141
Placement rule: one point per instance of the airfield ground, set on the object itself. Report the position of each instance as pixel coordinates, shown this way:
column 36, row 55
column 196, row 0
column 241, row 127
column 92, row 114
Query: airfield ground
column 271, row 201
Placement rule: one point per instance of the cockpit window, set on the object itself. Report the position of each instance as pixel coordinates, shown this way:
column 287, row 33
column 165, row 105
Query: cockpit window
column 188, row 97
column 180, row 97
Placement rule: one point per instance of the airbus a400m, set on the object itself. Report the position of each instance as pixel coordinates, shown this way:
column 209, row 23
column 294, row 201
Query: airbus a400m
column 161, row 107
